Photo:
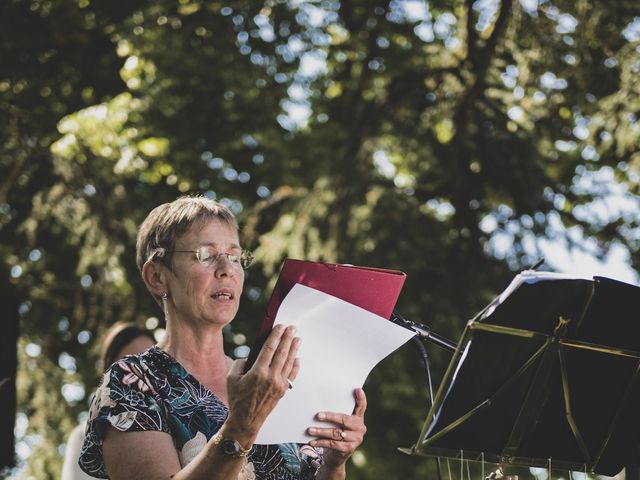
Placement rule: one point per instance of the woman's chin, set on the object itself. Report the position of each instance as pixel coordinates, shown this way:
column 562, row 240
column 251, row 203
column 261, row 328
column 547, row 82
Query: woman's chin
column 223, row 317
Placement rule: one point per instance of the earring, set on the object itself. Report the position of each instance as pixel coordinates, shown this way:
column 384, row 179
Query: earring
column 165, row 305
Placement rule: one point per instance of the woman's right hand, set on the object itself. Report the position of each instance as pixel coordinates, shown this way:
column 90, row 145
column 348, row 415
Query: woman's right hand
column 254, row 394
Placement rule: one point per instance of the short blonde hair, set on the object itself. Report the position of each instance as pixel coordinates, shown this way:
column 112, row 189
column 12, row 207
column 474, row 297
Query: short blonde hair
column 158, row 232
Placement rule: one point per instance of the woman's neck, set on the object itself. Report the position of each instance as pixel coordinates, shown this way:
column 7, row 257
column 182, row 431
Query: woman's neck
column 199, row 351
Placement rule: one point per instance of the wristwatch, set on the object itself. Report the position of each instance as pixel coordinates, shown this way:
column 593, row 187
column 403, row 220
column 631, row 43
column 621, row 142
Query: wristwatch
column 229, row 447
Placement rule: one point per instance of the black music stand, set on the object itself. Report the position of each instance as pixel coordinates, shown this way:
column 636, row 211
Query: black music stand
column 548, row 374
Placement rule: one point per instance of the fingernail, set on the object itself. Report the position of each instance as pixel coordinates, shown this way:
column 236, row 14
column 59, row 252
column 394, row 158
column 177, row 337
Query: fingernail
column 321, row 416
column 312, row 431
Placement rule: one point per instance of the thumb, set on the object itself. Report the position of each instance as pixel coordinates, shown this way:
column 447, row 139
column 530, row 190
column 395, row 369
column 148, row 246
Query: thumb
column 237, row 369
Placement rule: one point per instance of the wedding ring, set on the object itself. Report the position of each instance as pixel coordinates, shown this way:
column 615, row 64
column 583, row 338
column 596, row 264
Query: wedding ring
column 343, row 434
column 290, row 384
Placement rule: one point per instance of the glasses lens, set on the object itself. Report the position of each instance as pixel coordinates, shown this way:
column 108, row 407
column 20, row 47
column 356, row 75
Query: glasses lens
column 205, row 255
column 246, row 258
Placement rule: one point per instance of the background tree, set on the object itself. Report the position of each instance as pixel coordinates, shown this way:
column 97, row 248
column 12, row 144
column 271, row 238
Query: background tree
column 449, row 140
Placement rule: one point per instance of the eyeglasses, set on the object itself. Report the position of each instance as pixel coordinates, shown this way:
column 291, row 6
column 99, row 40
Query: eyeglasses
column 208, row 256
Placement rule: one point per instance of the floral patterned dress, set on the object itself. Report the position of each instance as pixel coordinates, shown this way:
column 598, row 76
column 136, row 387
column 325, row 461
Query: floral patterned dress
column 152, row 391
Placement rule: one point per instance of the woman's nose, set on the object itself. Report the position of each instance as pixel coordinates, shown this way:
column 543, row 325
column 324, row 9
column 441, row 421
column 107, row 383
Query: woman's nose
column 223, row 266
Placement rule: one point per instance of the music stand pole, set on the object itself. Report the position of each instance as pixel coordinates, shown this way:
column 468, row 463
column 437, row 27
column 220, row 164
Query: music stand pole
column 424, row 333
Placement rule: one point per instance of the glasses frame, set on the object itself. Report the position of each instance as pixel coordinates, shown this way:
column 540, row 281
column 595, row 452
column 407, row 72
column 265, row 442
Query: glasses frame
column 245, row 259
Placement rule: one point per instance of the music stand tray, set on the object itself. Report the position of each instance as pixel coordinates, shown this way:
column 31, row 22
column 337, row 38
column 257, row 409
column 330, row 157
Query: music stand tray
column 545, row 375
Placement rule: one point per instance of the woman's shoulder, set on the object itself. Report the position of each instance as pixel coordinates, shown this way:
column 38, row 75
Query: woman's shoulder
column 151, row 360
column 153, row 369
column 146, row 359
column 142, row 369
column 152, row 355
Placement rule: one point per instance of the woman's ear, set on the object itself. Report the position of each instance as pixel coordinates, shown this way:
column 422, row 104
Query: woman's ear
column 155, row 277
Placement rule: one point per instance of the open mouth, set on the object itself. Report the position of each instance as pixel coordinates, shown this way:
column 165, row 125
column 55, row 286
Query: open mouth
column 223, row 295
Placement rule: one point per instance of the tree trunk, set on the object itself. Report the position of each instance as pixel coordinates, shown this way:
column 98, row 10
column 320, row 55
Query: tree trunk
column 8, row 367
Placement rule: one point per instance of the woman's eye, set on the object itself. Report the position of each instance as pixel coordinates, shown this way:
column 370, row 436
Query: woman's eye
column 204, row 254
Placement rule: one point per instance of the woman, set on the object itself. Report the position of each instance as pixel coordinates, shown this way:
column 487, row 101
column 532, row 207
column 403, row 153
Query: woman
column 120, row 340
column 183, row 409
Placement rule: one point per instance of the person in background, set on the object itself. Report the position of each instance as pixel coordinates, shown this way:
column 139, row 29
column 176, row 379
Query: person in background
column 122, row 338
column 185, row 410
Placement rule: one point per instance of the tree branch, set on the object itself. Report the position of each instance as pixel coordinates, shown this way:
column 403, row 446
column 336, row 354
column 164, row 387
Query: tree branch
column 472, row 35
column 485, row 55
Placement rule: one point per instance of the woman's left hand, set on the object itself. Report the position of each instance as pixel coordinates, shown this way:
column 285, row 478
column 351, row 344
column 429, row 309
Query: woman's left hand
column 345, row 437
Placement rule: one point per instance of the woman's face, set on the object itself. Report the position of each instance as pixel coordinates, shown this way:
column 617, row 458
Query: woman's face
column 208, row 293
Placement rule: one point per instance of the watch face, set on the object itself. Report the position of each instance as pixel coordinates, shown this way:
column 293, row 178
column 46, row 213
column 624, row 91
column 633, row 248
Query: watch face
column 230, row 447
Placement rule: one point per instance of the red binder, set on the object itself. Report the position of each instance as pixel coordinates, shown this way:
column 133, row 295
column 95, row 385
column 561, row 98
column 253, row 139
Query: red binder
column 373, row 289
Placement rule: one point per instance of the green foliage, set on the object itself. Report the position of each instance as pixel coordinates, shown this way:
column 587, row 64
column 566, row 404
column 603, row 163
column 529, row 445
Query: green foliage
column 431, row 134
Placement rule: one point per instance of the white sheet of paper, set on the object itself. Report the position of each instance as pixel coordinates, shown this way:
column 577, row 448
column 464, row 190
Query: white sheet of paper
column 340, row 345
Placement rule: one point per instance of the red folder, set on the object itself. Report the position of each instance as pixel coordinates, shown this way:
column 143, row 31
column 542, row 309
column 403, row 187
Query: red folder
column 373, row 289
